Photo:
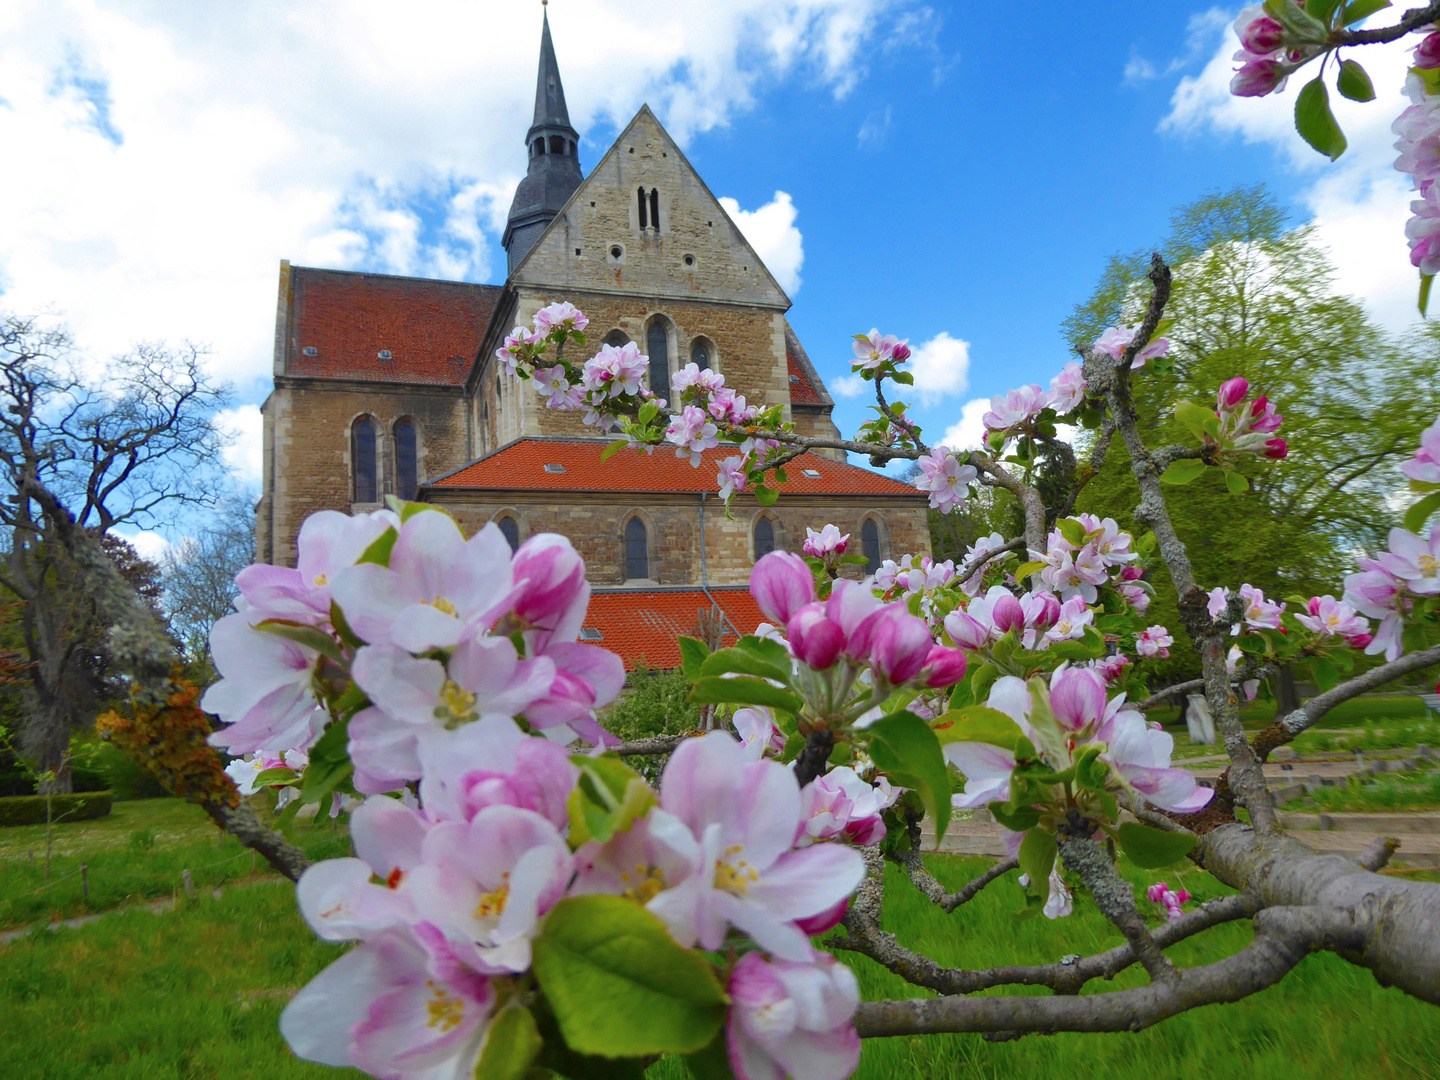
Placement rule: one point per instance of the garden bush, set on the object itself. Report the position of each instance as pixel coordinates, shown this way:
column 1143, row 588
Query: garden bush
column 30, row 809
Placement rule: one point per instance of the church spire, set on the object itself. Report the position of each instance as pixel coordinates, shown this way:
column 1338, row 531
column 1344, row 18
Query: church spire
column 554, row 169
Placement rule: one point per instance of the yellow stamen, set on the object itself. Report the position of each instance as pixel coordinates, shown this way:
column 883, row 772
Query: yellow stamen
column 446, row 1012
column 492, row 904
column 441, row 604
column 456, row 705
column 321, row 581
column 1429, row 565
column 645, row 882
column 734, row 877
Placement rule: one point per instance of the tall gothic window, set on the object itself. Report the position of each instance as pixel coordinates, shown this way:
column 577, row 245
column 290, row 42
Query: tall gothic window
column 407, row 464
column 655, row 209
column 640, row 198
column 700, row 355
column 637, row 550
column 510, row 531
column 870, row 545
column 362, row 457
column 659, row 351
column 764, row 537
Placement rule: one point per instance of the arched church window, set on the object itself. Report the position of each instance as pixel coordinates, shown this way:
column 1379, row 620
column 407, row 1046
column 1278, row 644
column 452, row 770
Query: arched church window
column 659, row 351
column 637, row 550
column 870, row 545
column 557, row 145
column 764, row 537
column 644, row 215
column 362, row 456
column 655, row 209
column 617, row 338
column 407, row 464
column 700, row 355
column 510, row 531
column 539, row 147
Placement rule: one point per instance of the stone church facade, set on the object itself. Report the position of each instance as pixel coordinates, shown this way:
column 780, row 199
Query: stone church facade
column 388, row 385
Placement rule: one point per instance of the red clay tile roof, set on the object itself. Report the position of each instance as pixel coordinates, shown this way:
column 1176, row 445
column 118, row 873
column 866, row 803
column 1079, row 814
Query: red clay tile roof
column 432, row 329
column 801, row 392
column 521, row 467
column 644, row 625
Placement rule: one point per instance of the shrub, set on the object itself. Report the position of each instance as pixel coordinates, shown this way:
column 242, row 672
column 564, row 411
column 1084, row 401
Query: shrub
column 30, row 809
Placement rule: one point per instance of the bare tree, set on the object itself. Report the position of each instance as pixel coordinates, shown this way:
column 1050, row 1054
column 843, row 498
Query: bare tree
column 199, row 574
column 129, row 446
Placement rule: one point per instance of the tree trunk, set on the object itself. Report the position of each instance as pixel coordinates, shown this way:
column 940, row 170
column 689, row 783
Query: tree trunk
column 52, row 745
column 1287, row 695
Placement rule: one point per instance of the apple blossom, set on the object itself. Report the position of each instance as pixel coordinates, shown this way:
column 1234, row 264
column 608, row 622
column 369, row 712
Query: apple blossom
column 781, row 584
column 616, row 370
column 1425, row 465
column 1067, row 390
column 792, row 1018
column 840, row 804
column 1414, row 560
column 265, row 695
column 758, row 733
column 1074, row 616
column 692, row 432
column 872, row 350
column 560, row 316
column 328, row 542
column 517, row 346
column 1328, row 616
column 827, row 541
column 731, row 477
column 1170, row 902
column 1014, row 407
column 1114, row 341
column 1154, row 641
column 945, row 478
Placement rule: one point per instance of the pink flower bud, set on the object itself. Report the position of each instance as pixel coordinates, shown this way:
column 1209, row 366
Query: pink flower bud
column 1042, row 609
column 827, row 919
column 1181, row 895
column 901, row 351
column 1157, row 892
column 1262, row 36
column 1275, row 449
column 1232, row 392
column 1007, row 614
column 1258, row 78
column 943, row 667
column 1313, row 605
column 1427, row 53
column 1361, row 641
column 1132, row 573
column 966, row 630
column 900, row 646
column 815, row 640
column 782, row 584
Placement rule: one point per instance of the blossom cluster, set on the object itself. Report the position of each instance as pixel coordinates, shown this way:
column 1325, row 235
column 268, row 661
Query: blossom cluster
column 1265, row 61
column 1417, row 133
column 452, row 670
column 1389, row 586
column 946, row 478
column 1248, row 425
column 1424, row 467
column 1171, row 902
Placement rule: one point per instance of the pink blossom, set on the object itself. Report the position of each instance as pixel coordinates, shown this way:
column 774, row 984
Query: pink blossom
column 1260, row 35
column 1328, row 616
column 826, row 920
column 1276, row 449
column 1154, row 641
column 1427, row 53
column 1077, row 697
column 792, row 1018
column 264, row 696
column 706, row 381
column 1414, row 560
column 1170, row 902
column 1232, row 393
column 1219, row 601
column 1105, row 536
column 329, row 541
column 435, row 590
column 1112, row 668
column 840, row 804
column 973, row 554
column 1256, row 78
column 815, row 640
column 945, row 478
column 987, row 772
column 732, row 476
column 1425, row 465
column 1141, row 757
column 587, row 677
column 493, row 763
column 827, row 541
column 1007, row 614
column 872, row 350
column 516, row 347
column 1077, row 575
column 1074, row 616
column 744, row 816
column 376, row 1008
column 943, row 667
column 1041, row 609
column 1136, row 597
column 758, row 733
column 616, row 370
column 1067, row 390
column 974, row 626
column 1259, row 613
column 550, row 595
column 692, row 432
column 552, row 383
column 1014, row 407
column 1114, row 341
column 561, row 316
column 781, row 584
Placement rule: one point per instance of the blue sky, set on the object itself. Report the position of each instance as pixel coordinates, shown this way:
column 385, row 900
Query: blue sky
column 951, row 174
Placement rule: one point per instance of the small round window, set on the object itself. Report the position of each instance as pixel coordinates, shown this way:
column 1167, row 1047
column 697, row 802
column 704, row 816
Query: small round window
column 689, row 260
column 616, row 251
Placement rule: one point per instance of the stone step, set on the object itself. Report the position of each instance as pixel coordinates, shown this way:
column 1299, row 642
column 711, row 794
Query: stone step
column 1424, row 822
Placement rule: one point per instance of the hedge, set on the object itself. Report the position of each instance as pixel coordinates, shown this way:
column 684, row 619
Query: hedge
column 30, row 809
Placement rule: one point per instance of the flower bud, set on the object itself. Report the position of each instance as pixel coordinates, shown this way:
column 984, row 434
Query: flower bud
column 1042, row 609
column 966, row 630
column 901, row 644
column 1427, row 53
column 1361, row 641
column 1262, row 36
column 943, row 667
column 1007, row 614
column 1313, row 605
column 1232, row 393
column 901, row 352
column 1275, row 449
column 782, row 584
column 815, row 640
column 1132, row 573
column 1258, row 78
column 825, row 920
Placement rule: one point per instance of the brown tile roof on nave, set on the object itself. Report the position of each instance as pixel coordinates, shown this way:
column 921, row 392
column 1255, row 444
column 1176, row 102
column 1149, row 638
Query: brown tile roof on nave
column 801, row 392
column 521, row 466
column 432, row 329
column 643, row 625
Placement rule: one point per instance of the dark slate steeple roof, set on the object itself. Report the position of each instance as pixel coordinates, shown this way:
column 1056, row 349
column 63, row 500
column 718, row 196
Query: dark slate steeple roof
column 554, row 169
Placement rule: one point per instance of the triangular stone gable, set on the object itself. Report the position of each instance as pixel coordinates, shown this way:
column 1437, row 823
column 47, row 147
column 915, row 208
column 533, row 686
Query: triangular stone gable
column 596, row 243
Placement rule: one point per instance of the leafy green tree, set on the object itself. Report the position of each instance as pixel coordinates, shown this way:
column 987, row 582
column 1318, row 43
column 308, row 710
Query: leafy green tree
column 1255, row 298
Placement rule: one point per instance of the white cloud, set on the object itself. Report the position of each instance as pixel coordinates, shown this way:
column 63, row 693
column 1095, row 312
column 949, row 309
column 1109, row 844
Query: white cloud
column 150, row 545
column 1360, row 203
column 941, row 367
column 772, row 233
column 875, row 129
column 176, row 152
column 968, row 433
column 849, row 385
column 243, row 456
column 1139, row 70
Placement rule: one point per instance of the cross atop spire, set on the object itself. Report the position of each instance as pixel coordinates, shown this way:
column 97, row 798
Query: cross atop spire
column 553, row 173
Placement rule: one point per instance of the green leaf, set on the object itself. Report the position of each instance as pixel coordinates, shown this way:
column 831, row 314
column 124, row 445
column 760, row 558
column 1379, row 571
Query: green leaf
column 1418, row 514
column 277, row 775
column 1236, row 482
column 1314, row 120
column 648, row 412
column 1015, row 818
column 744, row 662
column 713, row 690
column 1362, row 9
column 609, row 451
column 1193, row 416
column 977, row 723
column 1072, row 530
column 1425, row 279
column 606, row 800
column 905, row 748
column 1183, row 471
column 1090, row 647
column 693, row 652
column 1037, row 859
column 379, row 551
column 511, row 1045
column 903, row 377
column 766, row 496
column 329, row 762
column 1026, row 569
column 620, row 985
column 1295, row 19
column 1326, row 677
column 1152, row 849
column 308, row 636
column 1353, row 83
column 1321, row 9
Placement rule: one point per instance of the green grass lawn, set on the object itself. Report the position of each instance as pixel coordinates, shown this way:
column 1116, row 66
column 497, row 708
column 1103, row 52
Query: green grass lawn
column 1415, row 790
column 137, row 852
column 197, row 994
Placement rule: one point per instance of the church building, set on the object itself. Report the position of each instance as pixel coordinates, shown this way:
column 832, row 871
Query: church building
column 389, row 385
